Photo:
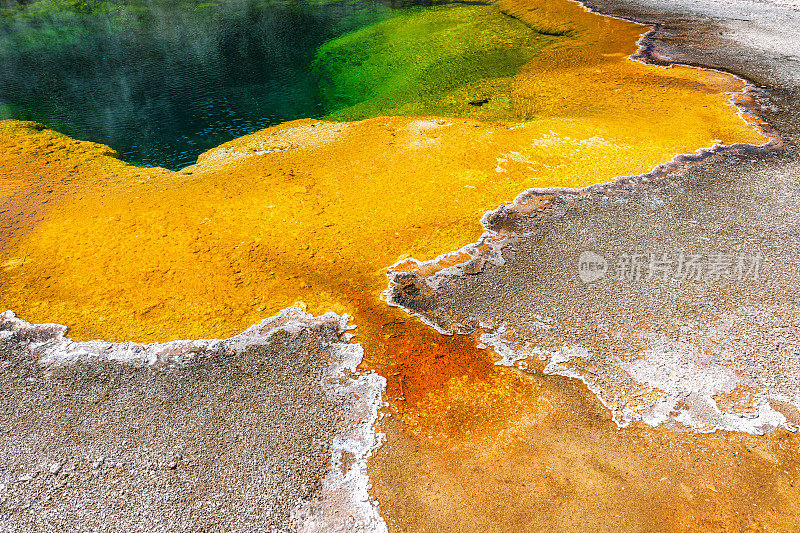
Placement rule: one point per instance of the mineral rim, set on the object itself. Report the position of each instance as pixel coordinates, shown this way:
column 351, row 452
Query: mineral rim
column 269, row 429
column 251, row 433
column 592, row 284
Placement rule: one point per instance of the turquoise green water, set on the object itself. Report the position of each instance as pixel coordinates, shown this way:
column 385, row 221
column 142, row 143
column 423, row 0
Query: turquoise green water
column 162, row 81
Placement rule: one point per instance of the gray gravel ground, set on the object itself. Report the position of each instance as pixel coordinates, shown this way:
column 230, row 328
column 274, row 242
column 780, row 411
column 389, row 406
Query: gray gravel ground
column 714, row 353
column 238, row 441
column 230, row 440
column 753, row 38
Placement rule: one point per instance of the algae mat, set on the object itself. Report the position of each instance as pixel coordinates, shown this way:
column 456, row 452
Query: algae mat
column 315, row 211
column 442, row 60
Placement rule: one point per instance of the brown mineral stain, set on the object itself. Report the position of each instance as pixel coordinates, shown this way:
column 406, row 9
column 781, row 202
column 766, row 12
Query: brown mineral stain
column 537, row 453
column 316, row 211
column 418, row 362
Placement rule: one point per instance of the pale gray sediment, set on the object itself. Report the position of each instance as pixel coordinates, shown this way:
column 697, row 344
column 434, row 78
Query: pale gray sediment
column 269, row 430
column 700, row 355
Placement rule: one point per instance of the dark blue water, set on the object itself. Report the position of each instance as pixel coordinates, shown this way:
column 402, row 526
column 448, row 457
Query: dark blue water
column 162, row 81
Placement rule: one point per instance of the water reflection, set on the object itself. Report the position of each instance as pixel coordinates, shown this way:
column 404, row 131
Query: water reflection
column 161, row 82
